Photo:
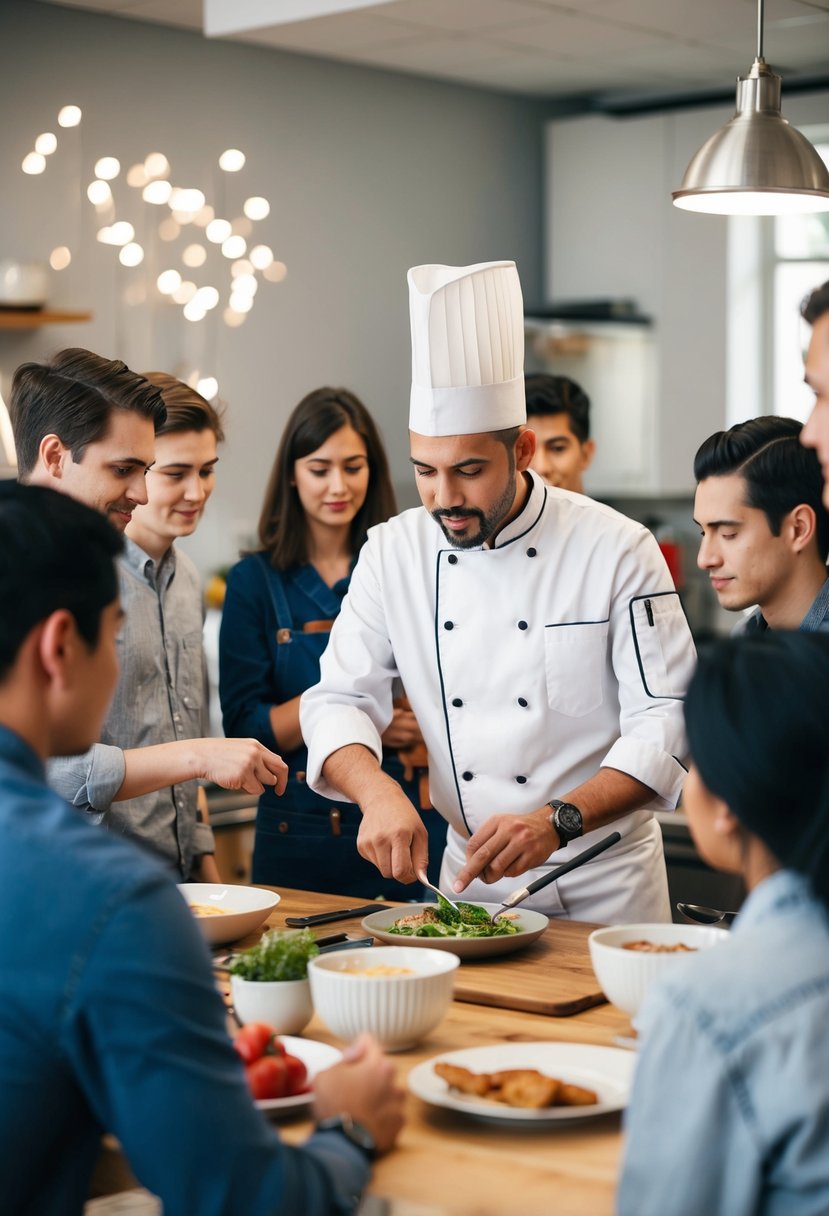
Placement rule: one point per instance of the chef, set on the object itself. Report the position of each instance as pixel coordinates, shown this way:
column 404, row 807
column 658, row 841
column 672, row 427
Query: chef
column 538, row 635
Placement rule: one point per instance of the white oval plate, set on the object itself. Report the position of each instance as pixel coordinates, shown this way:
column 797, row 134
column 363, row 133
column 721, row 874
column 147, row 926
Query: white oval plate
column 315, row 1056
column 607, row 1070
column 530, row 926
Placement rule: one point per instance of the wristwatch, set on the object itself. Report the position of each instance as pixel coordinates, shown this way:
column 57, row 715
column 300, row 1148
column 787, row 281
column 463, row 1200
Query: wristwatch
column 359, row 1136
column 566, row 819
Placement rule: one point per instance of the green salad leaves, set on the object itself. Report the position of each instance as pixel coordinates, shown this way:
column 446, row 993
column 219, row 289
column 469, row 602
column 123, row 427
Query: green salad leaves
column 278, row 956
column 443, row 921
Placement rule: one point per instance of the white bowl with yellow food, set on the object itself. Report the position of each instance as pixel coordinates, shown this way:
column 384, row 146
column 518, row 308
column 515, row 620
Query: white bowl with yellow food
column 628, row 958
column 226, row 913
column 397, row 993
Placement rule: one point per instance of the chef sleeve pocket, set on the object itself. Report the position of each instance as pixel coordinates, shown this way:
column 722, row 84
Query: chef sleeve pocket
column 575, row 659
column 662, row 641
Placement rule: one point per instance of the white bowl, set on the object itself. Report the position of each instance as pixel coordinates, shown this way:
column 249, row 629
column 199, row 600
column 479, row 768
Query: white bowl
column 23, row 284
column 398, row 1009
column 626, row 975
column 285, row 1005
column 243, row 909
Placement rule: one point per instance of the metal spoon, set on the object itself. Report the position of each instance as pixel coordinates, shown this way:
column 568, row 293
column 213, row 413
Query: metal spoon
column 706, row 916
column 421, row 874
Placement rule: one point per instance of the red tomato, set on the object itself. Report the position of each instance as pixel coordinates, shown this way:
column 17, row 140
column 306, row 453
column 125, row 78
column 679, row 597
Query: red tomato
column 297, row 1075
column 268, row 1077
column 253, row 1040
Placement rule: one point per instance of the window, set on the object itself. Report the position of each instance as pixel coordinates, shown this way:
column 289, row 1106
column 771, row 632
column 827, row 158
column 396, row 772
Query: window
column 798, row 262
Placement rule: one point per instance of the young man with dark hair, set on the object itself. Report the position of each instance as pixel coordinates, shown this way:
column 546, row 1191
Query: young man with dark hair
column 111, row 1018
column 85, row 426
column 816, row 431
column 765, row 530
column 558, row 410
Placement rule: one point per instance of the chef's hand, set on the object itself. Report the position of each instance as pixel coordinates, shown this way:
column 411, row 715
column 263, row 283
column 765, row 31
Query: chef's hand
column 364, row 1084
column 241, row 764
column 392, row 835
column 507, row 846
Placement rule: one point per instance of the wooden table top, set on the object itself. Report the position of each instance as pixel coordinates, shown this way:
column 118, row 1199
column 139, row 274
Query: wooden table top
column 446, row 1162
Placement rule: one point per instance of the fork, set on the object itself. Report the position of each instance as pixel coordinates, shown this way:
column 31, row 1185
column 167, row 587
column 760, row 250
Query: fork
column 421, row 874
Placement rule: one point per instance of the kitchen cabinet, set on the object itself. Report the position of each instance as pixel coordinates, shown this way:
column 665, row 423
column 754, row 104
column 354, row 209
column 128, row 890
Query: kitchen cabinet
column 234, row 845
column 613, row 232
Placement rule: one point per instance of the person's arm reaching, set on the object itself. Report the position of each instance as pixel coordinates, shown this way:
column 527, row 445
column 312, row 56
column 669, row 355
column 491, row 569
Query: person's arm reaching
column 106, row 774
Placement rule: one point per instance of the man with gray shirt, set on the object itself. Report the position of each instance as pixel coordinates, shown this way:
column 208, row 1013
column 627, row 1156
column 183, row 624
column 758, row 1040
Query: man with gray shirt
column 86, row 426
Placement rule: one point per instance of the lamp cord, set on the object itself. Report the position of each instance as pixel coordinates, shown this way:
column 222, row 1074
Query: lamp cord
column 760, row 6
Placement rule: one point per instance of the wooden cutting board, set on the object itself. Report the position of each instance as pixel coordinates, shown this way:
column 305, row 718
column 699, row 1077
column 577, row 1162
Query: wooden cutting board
column 533, row 980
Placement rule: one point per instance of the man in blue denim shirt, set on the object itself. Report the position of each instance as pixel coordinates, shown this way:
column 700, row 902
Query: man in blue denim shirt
column 730, row 1107
column 111, row 1020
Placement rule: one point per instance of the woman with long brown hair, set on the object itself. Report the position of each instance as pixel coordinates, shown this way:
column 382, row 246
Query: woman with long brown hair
column 329, row 484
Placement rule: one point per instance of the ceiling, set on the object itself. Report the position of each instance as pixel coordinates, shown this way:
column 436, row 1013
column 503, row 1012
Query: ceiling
column 608, row 49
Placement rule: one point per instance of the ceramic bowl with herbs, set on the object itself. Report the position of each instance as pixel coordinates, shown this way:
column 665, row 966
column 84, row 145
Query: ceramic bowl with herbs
column 269, row 982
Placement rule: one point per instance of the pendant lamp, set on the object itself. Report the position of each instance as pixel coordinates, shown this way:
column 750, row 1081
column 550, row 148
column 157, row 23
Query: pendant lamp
column 757, row 164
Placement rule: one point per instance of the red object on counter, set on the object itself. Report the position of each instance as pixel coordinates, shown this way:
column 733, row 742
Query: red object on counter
column 672, row 553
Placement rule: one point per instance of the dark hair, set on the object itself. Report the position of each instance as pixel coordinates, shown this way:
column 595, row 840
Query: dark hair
column 757, row 714
column 72, row 396
column 54, row 553
column 187, row 410
column 816, row 304
column 547, row 394
column 779, row 473
column 282, row 530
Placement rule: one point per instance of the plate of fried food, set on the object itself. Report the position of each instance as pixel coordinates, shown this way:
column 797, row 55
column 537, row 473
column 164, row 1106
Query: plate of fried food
column 471, row 935
column 542, row 1083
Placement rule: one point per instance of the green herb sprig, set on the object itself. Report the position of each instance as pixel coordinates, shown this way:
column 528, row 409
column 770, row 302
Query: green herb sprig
column 278, row 956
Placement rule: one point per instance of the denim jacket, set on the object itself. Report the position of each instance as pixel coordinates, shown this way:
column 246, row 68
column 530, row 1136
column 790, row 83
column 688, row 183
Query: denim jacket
column 730, row 1105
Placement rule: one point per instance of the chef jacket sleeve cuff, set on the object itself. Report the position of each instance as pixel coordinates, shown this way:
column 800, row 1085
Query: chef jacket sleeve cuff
column 347, row 1167
column 338, row 726
column 649, row 764
column 89, row 781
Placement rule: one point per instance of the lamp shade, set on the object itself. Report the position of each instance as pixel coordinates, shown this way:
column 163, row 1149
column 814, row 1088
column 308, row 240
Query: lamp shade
column 757, row 164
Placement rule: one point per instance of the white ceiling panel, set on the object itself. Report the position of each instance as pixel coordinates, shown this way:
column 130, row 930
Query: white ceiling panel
column 543, row 47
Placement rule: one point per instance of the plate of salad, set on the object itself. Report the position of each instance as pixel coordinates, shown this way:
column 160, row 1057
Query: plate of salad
column 472, row 935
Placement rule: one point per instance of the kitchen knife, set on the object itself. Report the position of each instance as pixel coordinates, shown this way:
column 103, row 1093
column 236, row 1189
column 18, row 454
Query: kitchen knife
column 324, row 918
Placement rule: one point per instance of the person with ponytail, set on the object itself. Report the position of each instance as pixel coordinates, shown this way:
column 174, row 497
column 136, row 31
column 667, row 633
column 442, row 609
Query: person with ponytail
column 730, row 1106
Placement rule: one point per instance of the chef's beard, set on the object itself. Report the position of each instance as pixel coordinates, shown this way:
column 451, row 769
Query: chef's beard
column 489, row 521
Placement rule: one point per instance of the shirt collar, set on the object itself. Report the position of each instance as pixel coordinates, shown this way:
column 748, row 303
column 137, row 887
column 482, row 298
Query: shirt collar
column 18, row 752
column 819, row 610
column 529, row 514
column 785, row 889
column 145, row 566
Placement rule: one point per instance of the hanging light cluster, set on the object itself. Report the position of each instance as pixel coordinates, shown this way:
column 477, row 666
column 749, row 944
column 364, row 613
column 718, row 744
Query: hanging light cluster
column 177, row 212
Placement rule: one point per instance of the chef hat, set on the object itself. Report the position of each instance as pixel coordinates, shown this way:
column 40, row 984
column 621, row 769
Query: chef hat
column 467, row 349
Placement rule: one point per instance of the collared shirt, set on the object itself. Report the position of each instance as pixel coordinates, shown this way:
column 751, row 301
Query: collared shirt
column 161, row 697
column 730, row 1106
column 112, row 1022
column 816, row 619
column 529, row 665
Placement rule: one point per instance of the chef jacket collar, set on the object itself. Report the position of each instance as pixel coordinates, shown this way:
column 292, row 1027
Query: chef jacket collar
column 527, row 517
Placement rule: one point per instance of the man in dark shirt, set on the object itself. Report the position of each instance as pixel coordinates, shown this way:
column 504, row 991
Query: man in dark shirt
column 765, row 530
column 111, row 1019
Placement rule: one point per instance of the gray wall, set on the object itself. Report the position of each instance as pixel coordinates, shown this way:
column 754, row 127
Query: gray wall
column 367, row 173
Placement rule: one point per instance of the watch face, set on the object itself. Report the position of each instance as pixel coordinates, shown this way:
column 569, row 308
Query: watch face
column 568, row 817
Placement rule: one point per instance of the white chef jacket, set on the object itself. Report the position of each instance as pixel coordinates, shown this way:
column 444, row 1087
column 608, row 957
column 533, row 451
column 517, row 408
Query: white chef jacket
column 529, row 665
